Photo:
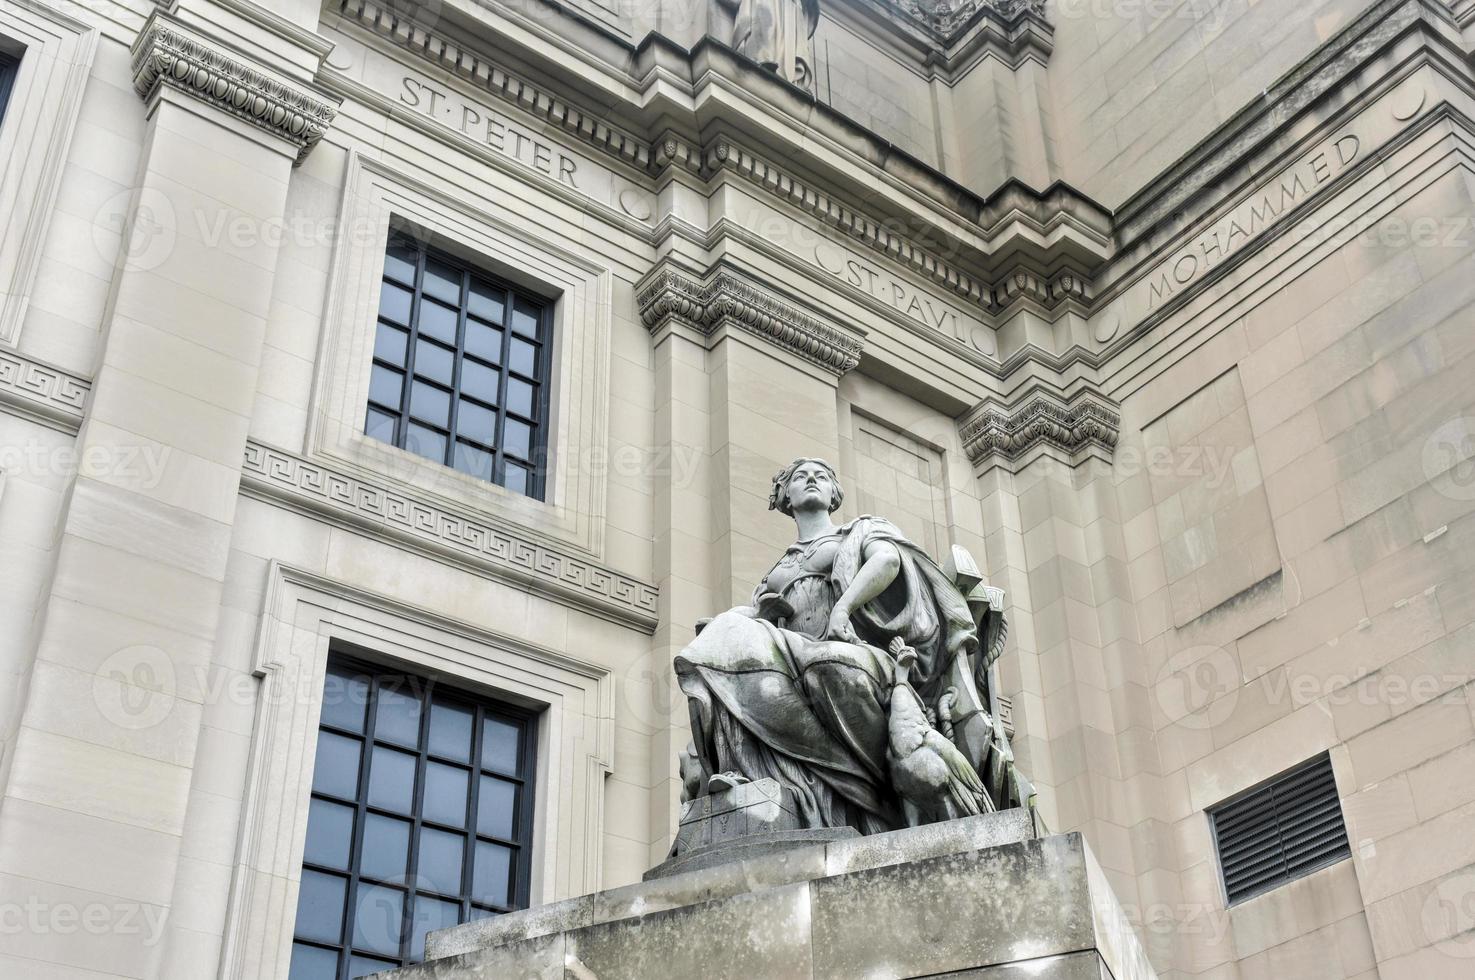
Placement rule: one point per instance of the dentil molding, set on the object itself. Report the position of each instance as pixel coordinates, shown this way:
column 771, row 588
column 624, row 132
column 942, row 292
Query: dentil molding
column 1040, row 423
column 726, row 299
column 169, row 54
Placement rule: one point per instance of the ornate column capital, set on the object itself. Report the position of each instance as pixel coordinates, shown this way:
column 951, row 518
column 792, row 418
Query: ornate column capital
column 1040, row 423
column 726, row 299
column 947, row 18
column 166, row 53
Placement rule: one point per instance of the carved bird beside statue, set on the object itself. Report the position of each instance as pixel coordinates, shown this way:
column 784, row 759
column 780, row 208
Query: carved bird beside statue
column 927, row 770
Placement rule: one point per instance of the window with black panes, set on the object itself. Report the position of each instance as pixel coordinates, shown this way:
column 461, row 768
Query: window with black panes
column 461, row 365
column 9, row 67
column 419, row 819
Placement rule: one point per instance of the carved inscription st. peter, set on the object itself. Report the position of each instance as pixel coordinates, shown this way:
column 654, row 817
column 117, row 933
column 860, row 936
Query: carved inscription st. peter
column 518, row 143
column 491, row 128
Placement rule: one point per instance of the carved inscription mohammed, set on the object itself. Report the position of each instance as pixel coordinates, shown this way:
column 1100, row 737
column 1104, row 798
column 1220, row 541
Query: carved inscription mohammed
column 1260, row 211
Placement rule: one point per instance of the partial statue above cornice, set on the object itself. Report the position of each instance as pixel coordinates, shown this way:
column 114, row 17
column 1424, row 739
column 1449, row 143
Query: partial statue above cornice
column 778, row 34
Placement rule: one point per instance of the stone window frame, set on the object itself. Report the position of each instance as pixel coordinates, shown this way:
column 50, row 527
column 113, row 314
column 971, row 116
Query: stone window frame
column 9, row 65
column 377, row 196
column 463, row 353
column 428, row 692
column 55, row 52
column 304, row 617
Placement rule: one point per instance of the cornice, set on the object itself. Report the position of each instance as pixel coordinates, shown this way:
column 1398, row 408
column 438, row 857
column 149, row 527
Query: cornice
column 43, row 393
column 1166, row 196
column 1041, row 241
column 168, row 54
column 287, row 30
column 667, row 296
column 1038, row 423
column 724, row 155
column 1038, row 227
column 284, row 478
column 474, row 66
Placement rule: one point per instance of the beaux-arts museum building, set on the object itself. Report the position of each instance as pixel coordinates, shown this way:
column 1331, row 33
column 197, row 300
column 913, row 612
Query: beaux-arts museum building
column 387, row 389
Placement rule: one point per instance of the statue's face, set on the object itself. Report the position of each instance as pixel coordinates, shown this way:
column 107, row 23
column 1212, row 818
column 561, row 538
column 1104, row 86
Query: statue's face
column 811, row 487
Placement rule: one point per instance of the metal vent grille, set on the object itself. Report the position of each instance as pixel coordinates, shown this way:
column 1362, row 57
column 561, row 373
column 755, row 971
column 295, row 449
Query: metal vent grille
column 1286, row 828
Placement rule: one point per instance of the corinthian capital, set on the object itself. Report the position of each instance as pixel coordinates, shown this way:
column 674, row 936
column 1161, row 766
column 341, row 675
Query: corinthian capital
column 726, row 299
column 167, row 54
column 1041, row 423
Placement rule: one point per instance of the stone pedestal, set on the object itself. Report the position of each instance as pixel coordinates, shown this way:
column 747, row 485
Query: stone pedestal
column 747, row 821
column 981, row 897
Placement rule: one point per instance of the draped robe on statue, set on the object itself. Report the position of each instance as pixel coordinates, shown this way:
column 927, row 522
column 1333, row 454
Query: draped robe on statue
column 781, row 701
column 776, row 33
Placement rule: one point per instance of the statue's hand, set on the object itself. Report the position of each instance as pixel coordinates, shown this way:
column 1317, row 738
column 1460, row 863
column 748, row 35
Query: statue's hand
column 774, row 608
column 840, row 627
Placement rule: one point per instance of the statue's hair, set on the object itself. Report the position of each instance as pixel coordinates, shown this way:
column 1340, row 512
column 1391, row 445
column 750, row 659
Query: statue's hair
column 778, row 497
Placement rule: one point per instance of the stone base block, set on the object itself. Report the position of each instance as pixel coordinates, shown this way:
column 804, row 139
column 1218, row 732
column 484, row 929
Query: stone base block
column 981, row 897
column 747, row 821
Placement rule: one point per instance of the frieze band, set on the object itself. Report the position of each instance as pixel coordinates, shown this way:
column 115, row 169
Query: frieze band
column 726, row 299
column 166, row 54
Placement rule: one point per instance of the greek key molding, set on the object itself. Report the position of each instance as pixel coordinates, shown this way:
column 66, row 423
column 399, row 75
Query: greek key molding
column 281, row 477
column 1041, row 422
column 668, row 296
column 41, row 392
column 166, row 54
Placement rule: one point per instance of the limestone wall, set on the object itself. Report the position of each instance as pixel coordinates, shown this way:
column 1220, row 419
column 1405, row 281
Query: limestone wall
column 1211, row 438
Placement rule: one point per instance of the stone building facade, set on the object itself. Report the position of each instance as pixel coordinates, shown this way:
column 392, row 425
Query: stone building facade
column 1164, row 309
